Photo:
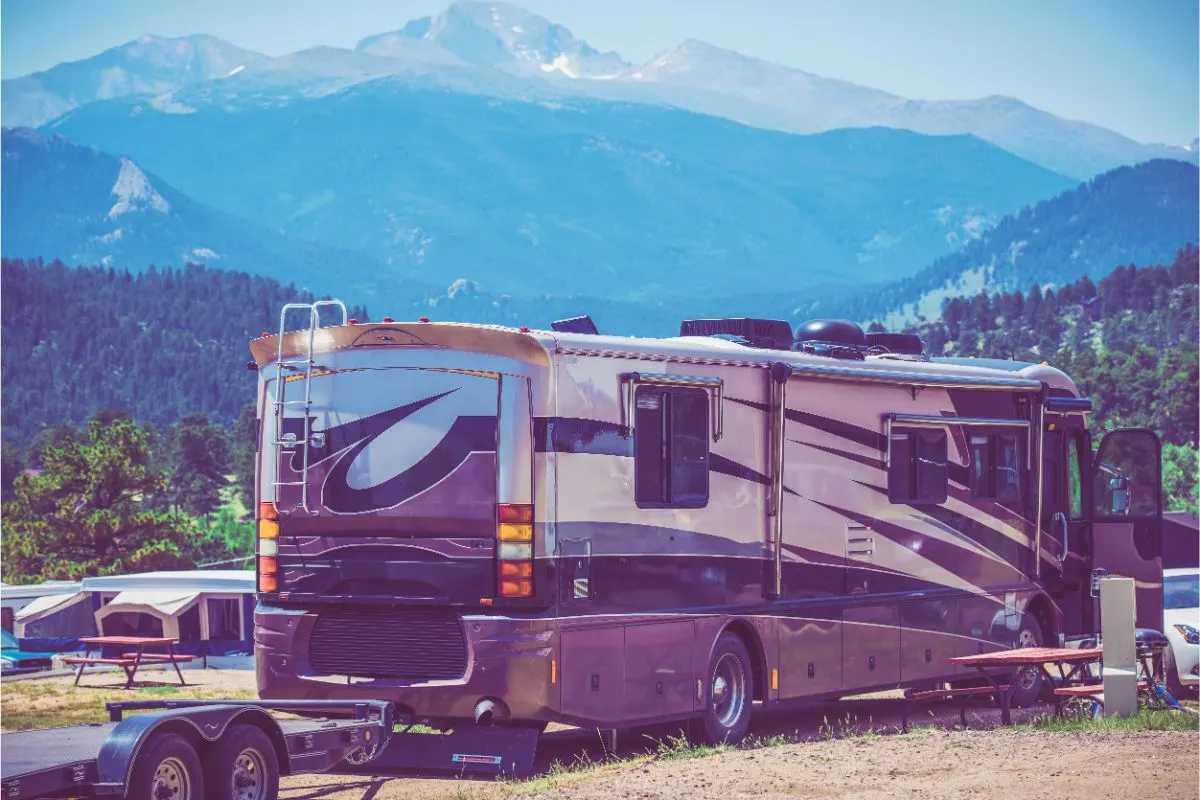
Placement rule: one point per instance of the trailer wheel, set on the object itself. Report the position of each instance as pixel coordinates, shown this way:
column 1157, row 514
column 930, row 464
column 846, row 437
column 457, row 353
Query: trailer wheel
column 167, row 769
column 242, row 765
column 730, row 693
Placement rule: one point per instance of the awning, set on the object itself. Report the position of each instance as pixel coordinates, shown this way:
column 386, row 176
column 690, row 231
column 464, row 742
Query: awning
column 166, row 603
column 46, row 605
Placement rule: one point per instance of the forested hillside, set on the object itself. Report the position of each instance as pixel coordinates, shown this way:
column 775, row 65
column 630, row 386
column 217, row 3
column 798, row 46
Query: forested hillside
column 160, row 344
column 1129, row 342
column 1129, row 215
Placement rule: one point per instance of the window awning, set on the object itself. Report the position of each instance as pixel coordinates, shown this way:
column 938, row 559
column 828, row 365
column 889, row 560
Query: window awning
column 46, row 605
column 168, row 604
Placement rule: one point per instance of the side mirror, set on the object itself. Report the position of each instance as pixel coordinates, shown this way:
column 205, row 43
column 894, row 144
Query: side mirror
column 1120, row 495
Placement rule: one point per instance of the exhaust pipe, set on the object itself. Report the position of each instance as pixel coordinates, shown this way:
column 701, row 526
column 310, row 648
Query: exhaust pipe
column 488, row 710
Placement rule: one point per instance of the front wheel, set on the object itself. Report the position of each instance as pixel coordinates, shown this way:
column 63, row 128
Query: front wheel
column 730, row 693
column 1027, row 680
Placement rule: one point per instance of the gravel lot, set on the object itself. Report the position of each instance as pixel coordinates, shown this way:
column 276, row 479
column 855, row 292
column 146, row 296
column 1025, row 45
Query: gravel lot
column 848, row 749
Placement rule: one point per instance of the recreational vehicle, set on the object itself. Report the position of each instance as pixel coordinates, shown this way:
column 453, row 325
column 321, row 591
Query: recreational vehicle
column 520, row 526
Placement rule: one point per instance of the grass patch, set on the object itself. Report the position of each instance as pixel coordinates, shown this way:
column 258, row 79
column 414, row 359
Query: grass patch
column 1146, row 719
column 584, row 768
column 675, row 748
column 37, row 704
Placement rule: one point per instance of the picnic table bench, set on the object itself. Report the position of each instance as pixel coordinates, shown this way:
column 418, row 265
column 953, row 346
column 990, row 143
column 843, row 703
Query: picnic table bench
column 128, row 661
column 962, row 693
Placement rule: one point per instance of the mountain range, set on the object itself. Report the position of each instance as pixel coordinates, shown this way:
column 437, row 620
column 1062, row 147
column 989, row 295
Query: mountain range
column 488, row 164
column 611, row 199
column 90, row 207
column 484, row 46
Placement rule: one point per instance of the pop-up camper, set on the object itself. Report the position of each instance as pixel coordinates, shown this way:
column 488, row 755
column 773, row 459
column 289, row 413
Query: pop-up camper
column 208, row 611
column 14, row 597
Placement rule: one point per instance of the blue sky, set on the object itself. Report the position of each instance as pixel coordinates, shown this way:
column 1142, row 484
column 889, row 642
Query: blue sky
column 1129, row 65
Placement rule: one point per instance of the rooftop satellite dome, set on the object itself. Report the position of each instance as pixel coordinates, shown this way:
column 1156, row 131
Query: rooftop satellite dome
column 833, row 338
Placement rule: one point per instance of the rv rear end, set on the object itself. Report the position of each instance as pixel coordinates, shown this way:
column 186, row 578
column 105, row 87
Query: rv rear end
column 400, row 550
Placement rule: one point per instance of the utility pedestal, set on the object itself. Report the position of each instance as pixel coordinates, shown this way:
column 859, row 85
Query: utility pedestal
column 1117, row 615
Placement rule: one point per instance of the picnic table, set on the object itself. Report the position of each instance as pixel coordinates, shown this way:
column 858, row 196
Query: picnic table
column 1074, row 677
column 1070, row 662
column 131, row 658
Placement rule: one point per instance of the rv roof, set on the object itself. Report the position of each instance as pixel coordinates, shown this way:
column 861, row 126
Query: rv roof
column 538, row 345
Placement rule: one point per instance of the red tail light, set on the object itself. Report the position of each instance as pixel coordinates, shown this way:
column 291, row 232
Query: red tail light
column 268, row 548
column 514, row 550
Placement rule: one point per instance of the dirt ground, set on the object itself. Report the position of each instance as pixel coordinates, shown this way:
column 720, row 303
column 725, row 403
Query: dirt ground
column 843, row 750
column 982, row 763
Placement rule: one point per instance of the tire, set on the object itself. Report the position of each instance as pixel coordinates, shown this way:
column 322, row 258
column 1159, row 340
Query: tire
column 167, row 767
column 242, row 765
column 730, row 693
column 1174, row 685
column 1028, row 680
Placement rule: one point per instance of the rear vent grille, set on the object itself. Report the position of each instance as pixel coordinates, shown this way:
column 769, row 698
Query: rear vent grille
column 415, row 643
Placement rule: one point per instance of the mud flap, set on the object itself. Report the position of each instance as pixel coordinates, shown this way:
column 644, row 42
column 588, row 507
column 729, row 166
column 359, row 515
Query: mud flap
column 466, row 752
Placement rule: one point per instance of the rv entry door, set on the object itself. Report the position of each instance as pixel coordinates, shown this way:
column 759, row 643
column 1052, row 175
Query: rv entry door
column 1126, row 515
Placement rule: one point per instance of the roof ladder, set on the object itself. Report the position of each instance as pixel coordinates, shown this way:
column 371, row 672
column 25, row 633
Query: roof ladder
column 290, row 370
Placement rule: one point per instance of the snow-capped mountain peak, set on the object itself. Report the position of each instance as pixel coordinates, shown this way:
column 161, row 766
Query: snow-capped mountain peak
column 135, row 193
column 508, row 37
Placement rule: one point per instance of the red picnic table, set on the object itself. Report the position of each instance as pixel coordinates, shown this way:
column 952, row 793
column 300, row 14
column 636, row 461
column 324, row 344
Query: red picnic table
column 131, row 659
column 1033, row 657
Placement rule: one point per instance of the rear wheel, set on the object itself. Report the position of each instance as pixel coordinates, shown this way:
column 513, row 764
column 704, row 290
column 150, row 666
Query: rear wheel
column 730, row 693
column 242, row 765
column 167, row 769
column 1027, row 680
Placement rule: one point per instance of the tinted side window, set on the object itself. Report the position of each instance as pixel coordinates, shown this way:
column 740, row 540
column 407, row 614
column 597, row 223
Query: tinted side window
column 1053, row 475
column 917, row 473
column 671, row 447
column 996, row 467
column 1075, row 480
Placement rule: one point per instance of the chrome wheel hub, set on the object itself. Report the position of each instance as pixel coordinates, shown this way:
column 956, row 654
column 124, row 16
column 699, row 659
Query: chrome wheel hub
column 172, row 781
column 728, row 690
column 1027, row 676
column 249, row 776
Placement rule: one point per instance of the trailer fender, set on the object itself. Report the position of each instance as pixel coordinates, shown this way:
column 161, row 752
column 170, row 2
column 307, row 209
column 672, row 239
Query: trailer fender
column 201, row 726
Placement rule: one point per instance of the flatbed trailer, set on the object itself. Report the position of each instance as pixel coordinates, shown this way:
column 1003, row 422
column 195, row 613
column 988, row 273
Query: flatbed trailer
column 184, row 750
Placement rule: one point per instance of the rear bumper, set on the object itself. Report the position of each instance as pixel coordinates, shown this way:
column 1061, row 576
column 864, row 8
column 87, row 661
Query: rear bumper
column 508, row 659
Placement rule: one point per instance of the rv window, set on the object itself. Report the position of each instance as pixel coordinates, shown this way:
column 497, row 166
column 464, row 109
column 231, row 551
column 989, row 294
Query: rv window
column 1074, row 480
column 671, row 447
column 917, row 473
column 996, row 467
column 1053, row 480
column 224, row 619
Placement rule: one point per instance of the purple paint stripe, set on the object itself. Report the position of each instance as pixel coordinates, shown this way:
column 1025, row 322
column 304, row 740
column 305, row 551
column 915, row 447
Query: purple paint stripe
column 867, row 460
column 978, row 533
column 972, row 567
column 828, row 559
